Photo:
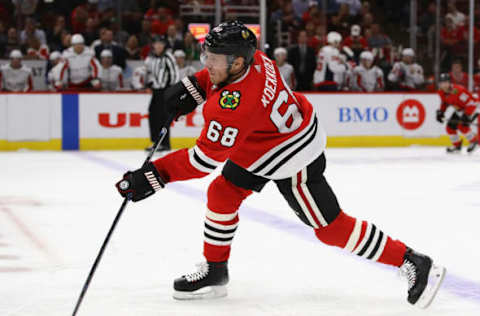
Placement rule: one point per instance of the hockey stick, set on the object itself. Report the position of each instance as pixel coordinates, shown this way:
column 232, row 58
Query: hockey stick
column 162, row 135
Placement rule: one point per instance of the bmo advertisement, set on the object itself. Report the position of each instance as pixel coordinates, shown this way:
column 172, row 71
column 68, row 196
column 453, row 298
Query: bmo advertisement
column 120, row 120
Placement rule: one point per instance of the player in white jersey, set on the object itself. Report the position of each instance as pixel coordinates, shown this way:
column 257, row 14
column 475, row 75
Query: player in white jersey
column 367, row 77
column 407, row 75
column 14, row 76
column 53, row 76
column 285, row 68
column 138, row 78
column 111, row 76
column 330, row 72
column 81, row 68
column 184, row 70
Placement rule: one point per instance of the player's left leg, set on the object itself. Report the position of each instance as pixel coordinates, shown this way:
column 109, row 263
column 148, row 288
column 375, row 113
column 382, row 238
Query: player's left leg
column 470, row 135
column 312, row 199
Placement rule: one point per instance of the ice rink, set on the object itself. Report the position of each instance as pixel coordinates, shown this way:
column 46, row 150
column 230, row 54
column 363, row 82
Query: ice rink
column 56, row 208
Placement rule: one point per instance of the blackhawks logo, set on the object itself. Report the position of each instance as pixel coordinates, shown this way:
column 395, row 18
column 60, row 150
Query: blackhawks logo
column 230, row 100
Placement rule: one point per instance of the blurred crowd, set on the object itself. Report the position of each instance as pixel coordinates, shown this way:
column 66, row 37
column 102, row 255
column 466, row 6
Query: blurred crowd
column 332, row 45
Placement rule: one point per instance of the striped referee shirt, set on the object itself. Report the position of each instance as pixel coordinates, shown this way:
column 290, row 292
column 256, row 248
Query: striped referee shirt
column 162, row 71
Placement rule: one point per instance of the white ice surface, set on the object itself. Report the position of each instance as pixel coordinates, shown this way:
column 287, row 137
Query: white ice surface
column 56, row 208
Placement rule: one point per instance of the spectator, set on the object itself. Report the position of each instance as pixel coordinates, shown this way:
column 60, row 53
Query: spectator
column 172, row 42
column 286, row 16
column 132, row 48
column 356, row 42
column 66, row 40
column 54, row 36
column 377, row 39
column 53, row 75
column 366, row 76
column 3, row 39
column 35, row 50
column 184, row 70
column 119, row 53
column 145, row 36
column 451, row 37
column 319, row 39
column 407, row 75
column 120, row 36
column 367, row 21
column 352, row 6
column 81, row 13
column 457, row 75
column 162, row 21
column 476, row 78
column 286, row 70
column 91, row 33
column 81, row 68
column 428, row 18
column 302, row 58
column 31, row 30
column 179, row 27
column 111, row 76
column 14, row 76
column 191, row 47
column 457, row 17
column 99, row 40
column 330, row 73
column 13, row 42
column 302, row 6
column 25, row 7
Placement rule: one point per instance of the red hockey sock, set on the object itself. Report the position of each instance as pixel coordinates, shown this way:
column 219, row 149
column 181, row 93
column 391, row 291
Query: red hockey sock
column 221, row 220
column 362, row 239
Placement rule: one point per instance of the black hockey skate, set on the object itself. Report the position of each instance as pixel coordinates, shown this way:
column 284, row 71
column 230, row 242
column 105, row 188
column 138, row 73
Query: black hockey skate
column 454, row 149
column 472, row 147
column 424, row 278
column 207, row 282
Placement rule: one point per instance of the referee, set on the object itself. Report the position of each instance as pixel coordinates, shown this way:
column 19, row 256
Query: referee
column 161, row 72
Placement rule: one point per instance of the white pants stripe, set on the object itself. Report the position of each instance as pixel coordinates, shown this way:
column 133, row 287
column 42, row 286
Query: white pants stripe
column 302, row 203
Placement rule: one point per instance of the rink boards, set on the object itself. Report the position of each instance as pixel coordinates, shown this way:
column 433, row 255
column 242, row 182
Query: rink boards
column 88, row 121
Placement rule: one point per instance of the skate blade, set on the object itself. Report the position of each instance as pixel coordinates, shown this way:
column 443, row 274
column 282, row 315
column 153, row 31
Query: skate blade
column 209, row 292
column 435, row 279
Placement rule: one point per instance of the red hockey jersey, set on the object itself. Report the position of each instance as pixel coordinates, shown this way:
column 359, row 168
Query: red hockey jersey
column 257, row 122
column 460, row 98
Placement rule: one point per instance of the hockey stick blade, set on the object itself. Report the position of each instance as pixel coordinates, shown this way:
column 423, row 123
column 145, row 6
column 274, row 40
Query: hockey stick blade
column 162, row 135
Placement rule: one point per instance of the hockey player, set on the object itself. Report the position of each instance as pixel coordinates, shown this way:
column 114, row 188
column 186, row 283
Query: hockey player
column 331, row 69
column 407, row 75
column 53, row 75
column 286, row 70
column 111, row 76
column 366, row 76
column 14, row 76
column 465, row 106
column 184, row 70
column 81, row 68
column 264, row 132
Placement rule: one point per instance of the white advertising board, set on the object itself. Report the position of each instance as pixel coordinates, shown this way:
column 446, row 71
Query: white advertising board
column 126, row 116
column 378, row 114
column 30, row 117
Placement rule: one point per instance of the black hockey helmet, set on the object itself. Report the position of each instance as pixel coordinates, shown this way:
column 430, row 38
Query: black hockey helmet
column 444, row 77
column 232, row 38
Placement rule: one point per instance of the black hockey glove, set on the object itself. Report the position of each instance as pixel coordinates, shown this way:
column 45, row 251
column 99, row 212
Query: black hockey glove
column 184, row 96
column 140, row 184
column 440, row 116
